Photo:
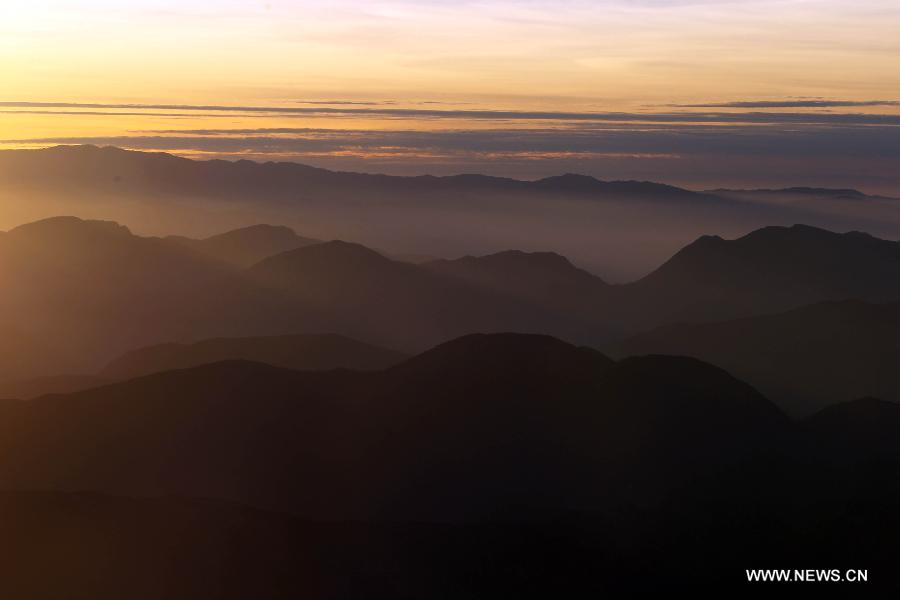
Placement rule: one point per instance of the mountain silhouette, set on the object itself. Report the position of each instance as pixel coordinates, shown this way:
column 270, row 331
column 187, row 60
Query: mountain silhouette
column 26, row 389
column 310, row 352
column 858, row 431
column 81, row 293
column 619, row 229
column 164, row 172
column 76, row 290
column 249, row 245
column 357, row 291
column 544, row 278
column 478, row 426
column 300, row 352
column 803, row 359
column 769, row 270
column 490, row 463
column 803, row 191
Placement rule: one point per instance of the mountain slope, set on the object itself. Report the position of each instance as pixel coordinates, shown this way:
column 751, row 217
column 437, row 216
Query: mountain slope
column 803, row 359
column 480, row 425
column 769, row 270
column 300, row 352
column 544, row 278
column 359, row 292
column 76, row 290
column 621, row 230
column 858, row 431
column 247, row 246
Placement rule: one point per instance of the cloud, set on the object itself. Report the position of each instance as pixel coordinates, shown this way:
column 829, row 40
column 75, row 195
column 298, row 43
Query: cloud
column 498, row 143
column 692, row 156
column 476, row 114
column 811, row 103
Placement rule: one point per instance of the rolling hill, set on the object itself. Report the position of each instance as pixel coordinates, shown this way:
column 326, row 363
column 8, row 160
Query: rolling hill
column 475, row 427
column 803, row 359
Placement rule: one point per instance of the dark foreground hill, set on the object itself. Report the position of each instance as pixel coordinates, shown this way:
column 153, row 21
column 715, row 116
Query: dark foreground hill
column 299, row 352
column 321, row 352
column 92, row 547
column 489, row 466
column 802, row 359
column 480, row 425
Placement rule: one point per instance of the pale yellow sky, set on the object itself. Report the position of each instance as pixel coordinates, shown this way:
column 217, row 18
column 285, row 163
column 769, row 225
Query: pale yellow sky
column 619, row 53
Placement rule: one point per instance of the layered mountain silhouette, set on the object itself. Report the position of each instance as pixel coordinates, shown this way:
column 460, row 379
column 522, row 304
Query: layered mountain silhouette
column 80, row 293
column 803, row 359
column 242, row 427
column 77, row 289
column 25, row 389
column 246, row 247
column 321, row 352
column 769, row 270
column 160, row 172
column 491, row 463
column 476, row 426
column 298, row 352
column 621, row 229
column 544, row 278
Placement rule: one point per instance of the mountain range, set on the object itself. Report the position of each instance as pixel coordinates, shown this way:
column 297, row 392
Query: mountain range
column 80, row 293
column 464, row 469
column 803, row 359
column 622, row 229
column 322, row 352
column 551, row 425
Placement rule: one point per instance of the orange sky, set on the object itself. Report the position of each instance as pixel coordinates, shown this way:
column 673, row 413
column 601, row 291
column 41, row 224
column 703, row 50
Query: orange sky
column 170, row 59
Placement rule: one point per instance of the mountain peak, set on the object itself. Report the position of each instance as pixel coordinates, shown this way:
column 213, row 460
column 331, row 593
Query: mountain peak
column 813, row 191
column 67, row 225
column 256, row 232
column 508, row 355
column 519, row 258
column 336, row 254
column 570, row 180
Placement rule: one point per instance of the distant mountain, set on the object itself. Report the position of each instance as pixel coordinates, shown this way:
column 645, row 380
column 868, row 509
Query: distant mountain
column 300, row 352
column 75, row 290
column 479, row 425
column 619, row 229
column 311, row 352
column 247, row 246
column 800, row 193
column 160, row 172
column 83, row 292
column 803, row 359
column 770, row 270
column 359, row 292
column 544, row 278
column 583, row 184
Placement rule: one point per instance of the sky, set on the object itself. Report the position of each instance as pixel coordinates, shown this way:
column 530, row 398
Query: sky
column 702, row 93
